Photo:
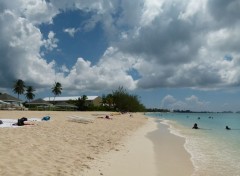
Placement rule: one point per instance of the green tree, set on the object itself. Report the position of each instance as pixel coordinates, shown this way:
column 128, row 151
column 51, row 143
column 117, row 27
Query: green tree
column 19, row 87
column 120, row 99
column 29, row 93
column 57, row 89
column 107, row 102
column 81, row 103
column 123, row 101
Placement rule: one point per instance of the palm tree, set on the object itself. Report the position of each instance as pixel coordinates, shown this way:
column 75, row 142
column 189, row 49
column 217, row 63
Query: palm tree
column 29, row 93
column 19, row 87
column 56, row 89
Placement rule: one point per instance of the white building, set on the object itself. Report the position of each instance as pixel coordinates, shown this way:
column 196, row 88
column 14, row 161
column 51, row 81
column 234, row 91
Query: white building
column 91, row 100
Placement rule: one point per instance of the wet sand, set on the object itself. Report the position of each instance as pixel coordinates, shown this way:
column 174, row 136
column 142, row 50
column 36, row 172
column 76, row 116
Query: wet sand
column 171, row 157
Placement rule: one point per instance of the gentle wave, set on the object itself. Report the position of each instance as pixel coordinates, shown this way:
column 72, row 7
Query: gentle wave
column 213, row 152
column 176, row 131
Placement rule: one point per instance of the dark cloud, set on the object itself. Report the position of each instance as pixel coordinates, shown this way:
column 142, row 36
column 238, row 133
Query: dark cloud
column 225, row 12
column 168, row 39
column 182, row 44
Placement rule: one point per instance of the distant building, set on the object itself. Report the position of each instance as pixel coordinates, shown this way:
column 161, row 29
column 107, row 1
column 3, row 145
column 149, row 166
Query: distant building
column 39, row 104
column 91, row 100
column 13, row 102
column 10, row 99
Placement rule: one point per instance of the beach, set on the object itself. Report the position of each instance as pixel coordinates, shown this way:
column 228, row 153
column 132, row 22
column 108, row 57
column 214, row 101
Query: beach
column 151, row 150
column 117, row 146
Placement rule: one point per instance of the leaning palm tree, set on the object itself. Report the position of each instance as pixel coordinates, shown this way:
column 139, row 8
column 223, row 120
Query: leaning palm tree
column 29, row 93
column 56, row 89
column 19, row 87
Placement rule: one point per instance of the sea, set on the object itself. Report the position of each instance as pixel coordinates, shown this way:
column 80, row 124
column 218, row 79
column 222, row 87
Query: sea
column 214, row 150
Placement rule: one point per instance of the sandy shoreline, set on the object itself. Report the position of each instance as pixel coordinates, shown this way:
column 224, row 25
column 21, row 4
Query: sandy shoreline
column 151, row 150
column 135, row 157
column 105, row 147
column 171, row 157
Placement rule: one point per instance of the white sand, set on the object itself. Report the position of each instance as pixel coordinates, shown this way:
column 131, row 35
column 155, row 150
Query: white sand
column 59, row 147
column 121, row 146
column 135, row 158
column 163, row 155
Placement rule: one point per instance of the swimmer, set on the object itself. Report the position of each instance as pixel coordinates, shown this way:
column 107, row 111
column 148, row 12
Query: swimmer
column 227, row 128
column 195, row 126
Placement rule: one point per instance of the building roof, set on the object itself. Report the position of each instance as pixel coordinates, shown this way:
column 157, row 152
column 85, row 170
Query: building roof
column 68, row 98
column 39, row 102
column 6, row 97
column 64, row 104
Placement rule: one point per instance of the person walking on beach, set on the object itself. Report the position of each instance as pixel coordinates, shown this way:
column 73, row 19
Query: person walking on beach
column 195, row 126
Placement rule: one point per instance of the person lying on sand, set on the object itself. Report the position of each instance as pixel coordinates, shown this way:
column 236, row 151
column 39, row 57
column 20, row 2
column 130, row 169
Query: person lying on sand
column 23, row 121
column 106, row 117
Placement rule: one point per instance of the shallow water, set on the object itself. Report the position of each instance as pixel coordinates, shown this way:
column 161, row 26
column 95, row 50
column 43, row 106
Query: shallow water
column 214, row 150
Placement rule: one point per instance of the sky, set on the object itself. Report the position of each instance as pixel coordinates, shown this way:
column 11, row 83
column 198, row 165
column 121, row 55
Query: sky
column 174, row 54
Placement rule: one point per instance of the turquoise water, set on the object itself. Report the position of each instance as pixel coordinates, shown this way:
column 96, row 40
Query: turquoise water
column 214, row 150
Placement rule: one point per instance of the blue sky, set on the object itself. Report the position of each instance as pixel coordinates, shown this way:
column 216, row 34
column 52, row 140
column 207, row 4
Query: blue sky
column 172, row 54
column 81, row 43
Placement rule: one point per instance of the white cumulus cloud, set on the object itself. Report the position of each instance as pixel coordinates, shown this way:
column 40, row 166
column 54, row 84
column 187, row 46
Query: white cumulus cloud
column 71, row 31
column 169, row 43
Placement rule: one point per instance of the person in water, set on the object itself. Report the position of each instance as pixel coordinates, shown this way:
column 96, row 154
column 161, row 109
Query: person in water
column 195, row 126
column 227, row 128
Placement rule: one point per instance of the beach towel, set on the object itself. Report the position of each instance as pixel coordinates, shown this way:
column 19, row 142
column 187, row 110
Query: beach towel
column 45, row 118
column 8, row 123
column 33, row 119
